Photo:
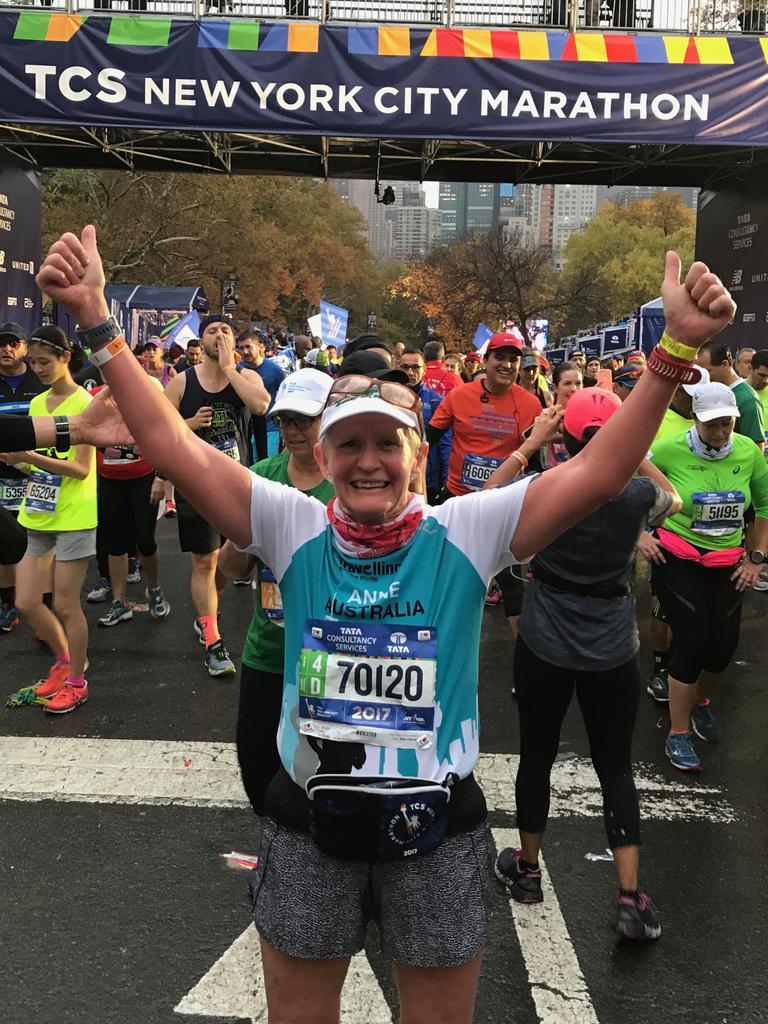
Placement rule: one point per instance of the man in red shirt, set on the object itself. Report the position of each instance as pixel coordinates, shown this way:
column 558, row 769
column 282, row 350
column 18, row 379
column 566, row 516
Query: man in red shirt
column 488, row 417
column 436, row 377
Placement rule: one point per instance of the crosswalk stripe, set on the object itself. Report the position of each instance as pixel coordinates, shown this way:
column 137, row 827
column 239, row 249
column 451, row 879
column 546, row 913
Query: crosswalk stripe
column 559, row 990
column 197, row 774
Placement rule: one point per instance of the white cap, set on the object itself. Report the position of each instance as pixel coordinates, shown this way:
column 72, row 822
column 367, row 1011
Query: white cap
column 310, row 359
column 703, row 379
column 304, row 392
column 367, row 404
column 711, row 401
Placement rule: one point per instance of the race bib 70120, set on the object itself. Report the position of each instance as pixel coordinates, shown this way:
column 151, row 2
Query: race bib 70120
column 368, row 683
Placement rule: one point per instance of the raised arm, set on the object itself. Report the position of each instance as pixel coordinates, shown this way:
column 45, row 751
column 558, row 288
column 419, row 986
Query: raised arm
column 695, row 311
column 72, row 274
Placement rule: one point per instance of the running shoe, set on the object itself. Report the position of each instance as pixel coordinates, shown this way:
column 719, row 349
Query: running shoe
column 242, row 581
column 9, row 618
column 704, row 723
column 134, row 575
column 762, row 583
column 524, row 884
column 218, row 661
column 170, row 510
column 679, row 750
column 117, row 612
column 658, row 687
column 637, row 918
column 158, row 606
column 494, row 595
column 101, row 592
column 67, row 699
column 53, row 682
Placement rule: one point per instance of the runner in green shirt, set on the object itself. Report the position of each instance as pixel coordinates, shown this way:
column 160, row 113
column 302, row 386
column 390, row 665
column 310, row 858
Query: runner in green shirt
column 758, row 379
column 700, row 570
column 298, row 404
column 718, row 359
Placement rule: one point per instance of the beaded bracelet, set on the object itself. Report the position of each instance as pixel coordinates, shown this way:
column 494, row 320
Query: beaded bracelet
column 680, row 371
column 676, row 349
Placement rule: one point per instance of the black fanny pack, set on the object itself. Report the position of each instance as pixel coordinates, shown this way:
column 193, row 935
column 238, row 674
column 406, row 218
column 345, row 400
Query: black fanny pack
column 379, row 819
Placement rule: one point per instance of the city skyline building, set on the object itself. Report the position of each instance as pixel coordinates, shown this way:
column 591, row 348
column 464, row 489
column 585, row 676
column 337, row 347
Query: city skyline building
column 467, row 207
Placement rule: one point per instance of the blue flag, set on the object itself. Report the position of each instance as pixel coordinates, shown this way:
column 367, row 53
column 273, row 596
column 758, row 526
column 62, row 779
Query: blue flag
column 482, row 335
column 183, row 331
column 333, row 324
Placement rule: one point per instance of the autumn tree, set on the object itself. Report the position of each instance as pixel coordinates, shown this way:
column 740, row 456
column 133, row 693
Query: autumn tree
column 492, row 277
column 290, row 241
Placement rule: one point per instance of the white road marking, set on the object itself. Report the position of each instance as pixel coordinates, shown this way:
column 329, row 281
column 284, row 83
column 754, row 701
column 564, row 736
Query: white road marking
column 192, row 774
column 206, row 775
column 558, row 987
column 234, row 987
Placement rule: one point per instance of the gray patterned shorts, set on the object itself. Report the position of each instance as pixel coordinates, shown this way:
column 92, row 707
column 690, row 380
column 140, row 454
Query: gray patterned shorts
column 432, row 911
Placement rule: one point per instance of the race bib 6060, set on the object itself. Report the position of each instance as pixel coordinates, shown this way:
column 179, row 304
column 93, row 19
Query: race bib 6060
column 368, row 683
column 476, row 469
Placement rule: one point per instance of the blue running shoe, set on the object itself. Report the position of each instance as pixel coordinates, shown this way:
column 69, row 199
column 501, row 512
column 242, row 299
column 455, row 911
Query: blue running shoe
column 704, row 723
column 9, row 618
column 679, row 750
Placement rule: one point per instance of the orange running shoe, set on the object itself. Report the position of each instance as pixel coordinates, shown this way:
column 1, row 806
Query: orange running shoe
column 67, row 699
column 53, row 682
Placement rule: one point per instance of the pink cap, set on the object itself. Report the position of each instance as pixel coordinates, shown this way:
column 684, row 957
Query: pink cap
column 591, row 407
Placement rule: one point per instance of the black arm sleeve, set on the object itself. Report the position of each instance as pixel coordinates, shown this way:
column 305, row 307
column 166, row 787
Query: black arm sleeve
column 13, row 539
column 17, row 434
column 433, row 434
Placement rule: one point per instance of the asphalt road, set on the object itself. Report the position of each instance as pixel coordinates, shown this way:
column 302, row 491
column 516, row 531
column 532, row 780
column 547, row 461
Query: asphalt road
column 114, row 908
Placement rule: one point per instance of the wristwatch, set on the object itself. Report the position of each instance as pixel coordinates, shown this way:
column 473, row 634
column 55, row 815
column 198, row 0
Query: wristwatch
column 94, row 338
column 757, row 557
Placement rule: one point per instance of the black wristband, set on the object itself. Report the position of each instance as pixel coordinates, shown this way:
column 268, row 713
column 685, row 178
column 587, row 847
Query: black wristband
column 63, row 441
column 94, row 338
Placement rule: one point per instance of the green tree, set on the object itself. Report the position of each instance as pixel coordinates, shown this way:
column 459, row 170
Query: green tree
column 616, row 263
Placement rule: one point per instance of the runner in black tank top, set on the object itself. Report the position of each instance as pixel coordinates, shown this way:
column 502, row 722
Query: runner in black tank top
column 216, row 401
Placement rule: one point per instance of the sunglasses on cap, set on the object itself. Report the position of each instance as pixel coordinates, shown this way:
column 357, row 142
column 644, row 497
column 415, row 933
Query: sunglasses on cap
column 355, row 385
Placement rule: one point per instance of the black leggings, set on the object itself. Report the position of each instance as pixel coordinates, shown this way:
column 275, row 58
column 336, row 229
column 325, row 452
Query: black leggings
column 608, row 702
column 703, row 609
column 127, row 518
column 258, row 716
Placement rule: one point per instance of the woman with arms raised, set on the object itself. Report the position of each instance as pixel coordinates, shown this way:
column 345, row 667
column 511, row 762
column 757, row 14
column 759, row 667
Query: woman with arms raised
column 375, row 809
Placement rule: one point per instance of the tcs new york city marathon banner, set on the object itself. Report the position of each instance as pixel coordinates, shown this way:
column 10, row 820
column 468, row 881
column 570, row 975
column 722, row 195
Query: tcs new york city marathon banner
column 234, row 75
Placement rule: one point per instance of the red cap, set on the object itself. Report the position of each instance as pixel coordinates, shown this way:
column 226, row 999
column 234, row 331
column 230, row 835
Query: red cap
column 636, row 353
column 590, row 407
column 472, row 357
column 504, row 339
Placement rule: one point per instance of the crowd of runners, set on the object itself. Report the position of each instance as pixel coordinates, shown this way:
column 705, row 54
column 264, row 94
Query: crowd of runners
column 378, row 497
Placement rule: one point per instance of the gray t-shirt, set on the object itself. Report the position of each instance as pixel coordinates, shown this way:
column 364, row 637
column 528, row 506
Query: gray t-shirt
column 572, row 627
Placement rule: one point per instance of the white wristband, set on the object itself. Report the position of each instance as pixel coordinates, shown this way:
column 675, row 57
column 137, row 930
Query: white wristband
column 103, row 355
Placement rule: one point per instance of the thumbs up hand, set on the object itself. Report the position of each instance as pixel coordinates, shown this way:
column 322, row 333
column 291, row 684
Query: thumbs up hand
column 699, row 307
column 72, row 274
